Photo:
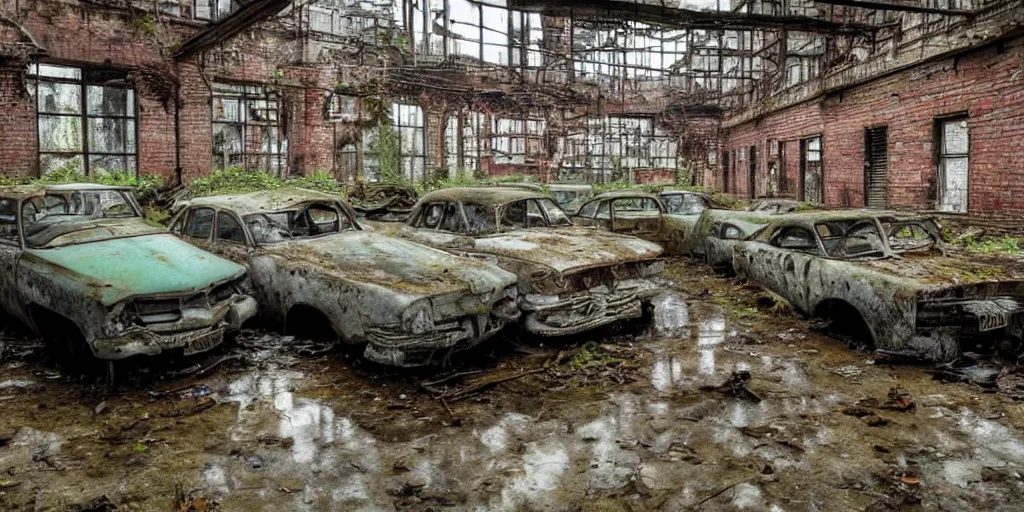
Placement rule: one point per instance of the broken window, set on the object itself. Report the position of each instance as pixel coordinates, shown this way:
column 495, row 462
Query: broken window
column 797, row 239
column 8, row 221
column 954, row 146
column 215, row 10
column 228, row 229
column 246, row 128
column 86, row 119
column 514, row 141
column 408, row 124
column 199, row 224
column 462, row 153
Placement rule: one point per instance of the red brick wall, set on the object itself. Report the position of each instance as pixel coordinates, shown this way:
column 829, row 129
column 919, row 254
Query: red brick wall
column 987, row 84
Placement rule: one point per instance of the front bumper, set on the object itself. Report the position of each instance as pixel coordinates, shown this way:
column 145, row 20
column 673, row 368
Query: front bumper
column 198, row 330
column 393, row 347
column 563, row 315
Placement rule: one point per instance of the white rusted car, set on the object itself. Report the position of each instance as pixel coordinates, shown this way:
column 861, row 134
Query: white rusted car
column 571, row 279
column 313, row 268
column 885, row 278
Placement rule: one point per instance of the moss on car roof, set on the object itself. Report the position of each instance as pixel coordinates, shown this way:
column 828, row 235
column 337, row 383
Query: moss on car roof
column 24, row 191
column 624, row 193
column 489, row 196
column 265, row 200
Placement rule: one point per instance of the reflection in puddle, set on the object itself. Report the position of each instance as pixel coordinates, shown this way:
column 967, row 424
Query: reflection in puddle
column 671, row 313
column 710, row 334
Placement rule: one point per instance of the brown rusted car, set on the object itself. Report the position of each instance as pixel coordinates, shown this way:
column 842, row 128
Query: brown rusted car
column 571, row 279
column 313, row 267
column 885, row 278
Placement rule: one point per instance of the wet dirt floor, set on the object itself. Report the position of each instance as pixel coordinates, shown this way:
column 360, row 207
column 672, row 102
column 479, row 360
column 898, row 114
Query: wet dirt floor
column 651, row 416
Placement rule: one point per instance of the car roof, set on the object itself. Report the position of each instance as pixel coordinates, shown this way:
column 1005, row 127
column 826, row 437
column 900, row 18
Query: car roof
column 569, row 186
column 813, row 217
column 24, row 191
column 624, row 193
column 672, row 191
column 490, row 196
column 265, row 200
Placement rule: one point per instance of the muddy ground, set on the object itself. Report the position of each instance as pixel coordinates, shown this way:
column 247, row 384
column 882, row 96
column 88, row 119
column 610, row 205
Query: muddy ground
column 714, row 403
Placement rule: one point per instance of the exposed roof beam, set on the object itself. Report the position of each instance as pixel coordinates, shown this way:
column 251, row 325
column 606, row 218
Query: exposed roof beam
column 686, row 18
column 246, row 16
column 888, row 6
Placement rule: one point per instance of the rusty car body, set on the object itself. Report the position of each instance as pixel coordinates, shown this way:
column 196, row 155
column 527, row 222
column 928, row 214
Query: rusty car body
column 777, row 206
column 887, row 277
column 718, row 231
column 312, row 264
column 571, row 279
column 645, row 215
column 80, row 266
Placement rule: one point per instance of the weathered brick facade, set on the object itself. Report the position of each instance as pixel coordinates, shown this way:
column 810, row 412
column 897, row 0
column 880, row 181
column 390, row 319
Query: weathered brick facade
column 986, row 84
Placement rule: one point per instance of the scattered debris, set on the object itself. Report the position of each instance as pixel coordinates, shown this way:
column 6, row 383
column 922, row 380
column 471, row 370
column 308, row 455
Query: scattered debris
column 984, row 376
column 736, row 385
column 848, row 371
column 100, row 408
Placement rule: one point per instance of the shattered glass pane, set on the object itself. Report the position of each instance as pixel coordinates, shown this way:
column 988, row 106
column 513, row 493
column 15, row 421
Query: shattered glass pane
column 955, row 139
column 100, row 165
column 60, row 133
column 55, row 98
column 111, row 135
column 49, row 163
column 110, row 101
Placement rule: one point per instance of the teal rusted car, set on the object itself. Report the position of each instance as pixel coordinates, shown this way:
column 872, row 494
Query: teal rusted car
column 82, row 268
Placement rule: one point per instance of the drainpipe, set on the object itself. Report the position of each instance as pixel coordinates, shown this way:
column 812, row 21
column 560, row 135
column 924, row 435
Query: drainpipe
column 177, row 133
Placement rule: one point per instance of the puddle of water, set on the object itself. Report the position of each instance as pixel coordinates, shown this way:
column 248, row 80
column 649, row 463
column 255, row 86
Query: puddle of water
column 16, row 384
column 671, row 314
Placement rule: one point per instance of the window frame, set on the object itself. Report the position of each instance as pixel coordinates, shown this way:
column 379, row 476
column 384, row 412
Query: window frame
column 188, row 217
column 782, row 230
column 243, row 93
column 247, row 240
column 83, row 82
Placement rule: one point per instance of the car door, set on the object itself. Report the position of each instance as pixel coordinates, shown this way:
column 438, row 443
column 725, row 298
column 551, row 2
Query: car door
column 793, row 248
column 638, row 216
column 230, row 240
column 585, row 215
column 10, row 254
column 439, row 225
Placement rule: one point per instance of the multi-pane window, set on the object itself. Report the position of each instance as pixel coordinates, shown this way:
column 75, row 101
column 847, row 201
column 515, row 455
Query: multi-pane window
column 408, row 123
column 246, row 128
column 513, row 140
column 86, row 119
column 214, row 10
column 463, row 152
column 954, row 147
column 619, row 144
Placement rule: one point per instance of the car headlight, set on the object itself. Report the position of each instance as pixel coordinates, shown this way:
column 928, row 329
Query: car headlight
column 418, row 318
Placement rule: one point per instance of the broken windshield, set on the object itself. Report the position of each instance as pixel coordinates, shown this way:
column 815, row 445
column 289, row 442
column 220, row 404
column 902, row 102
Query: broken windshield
column 315, row 220
column 851, row 239
column 683, row 204
column 915, row 236
column 521, row 214
column 59, row 213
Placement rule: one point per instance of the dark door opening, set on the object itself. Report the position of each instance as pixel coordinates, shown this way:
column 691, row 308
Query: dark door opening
column 812, row 183
column 752, row 179
column 725, row 170
column 876, row 167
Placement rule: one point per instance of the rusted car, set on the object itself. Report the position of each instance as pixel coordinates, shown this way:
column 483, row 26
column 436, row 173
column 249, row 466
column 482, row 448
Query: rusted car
column 885, row 277
column 571, row 279
column 80, row 266
column 777, row 206
column 314, row 270
column 718, row 231
column 571, row 196
column 644, row 215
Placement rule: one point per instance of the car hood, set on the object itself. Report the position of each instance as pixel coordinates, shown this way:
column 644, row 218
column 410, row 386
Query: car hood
column 568, row 249
column 121, row 268
column 931, row 271
column 394, row 263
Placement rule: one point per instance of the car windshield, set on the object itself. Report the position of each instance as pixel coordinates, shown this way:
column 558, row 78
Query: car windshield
column 59, row 213
column 911, row 236
column 851, row 239
column 521, row 214
column 636, row 207
column 311, row 221
column 683, row 204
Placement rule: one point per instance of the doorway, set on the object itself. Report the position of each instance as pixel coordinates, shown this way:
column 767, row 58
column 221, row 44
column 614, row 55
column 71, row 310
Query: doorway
column 812, row 183
column 752, row 179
